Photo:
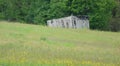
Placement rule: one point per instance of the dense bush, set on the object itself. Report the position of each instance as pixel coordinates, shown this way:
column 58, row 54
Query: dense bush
column 115, row 21
column 115, row 24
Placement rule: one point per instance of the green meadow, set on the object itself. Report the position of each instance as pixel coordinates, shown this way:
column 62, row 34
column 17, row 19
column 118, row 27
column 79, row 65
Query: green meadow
column 35, row 45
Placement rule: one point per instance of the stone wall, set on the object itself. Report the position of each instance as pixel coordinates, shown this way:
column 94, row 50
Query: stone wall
column 69, row 22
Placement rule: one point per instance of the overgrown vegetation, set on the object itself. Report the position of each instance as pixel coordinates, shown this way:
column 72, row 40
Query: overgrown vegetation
column 39, row 11
column 31, row 45
column 115, row 21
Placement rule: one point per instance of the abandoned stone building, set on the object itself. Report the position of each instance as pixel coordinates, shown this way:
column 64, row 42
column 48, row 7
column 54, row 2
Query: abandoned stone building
column 70, row 22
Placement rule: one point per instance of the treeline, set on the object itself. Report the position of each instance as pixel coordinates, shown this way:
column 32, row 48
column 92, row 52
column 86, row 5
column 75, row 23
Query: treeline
column 39, row 11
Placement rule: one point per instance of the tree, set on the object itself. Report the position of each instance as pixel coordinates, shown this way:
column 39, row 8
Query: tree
column 99, row 11
column 41, row 11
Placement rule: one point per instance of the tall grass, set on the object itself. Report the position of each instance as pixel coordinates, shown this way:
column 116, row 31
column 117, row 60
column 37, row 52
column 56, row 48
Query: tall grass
column 34, row 45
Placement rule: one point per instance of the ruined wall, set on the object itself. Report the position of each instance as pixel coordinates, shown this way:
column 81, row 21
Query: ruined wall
column 69, row 22
column 80, row 22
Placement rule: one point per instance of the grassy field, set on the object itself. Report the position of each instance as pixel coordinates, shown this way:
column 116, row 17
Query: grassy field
column 34, row 45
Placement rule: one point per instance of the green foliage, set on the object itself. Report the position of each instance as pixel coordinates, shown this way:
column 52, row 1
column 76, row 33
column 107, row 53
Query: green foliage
column 39, row 11
column 99, row 11
column 115, row 24
column 115, row 21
